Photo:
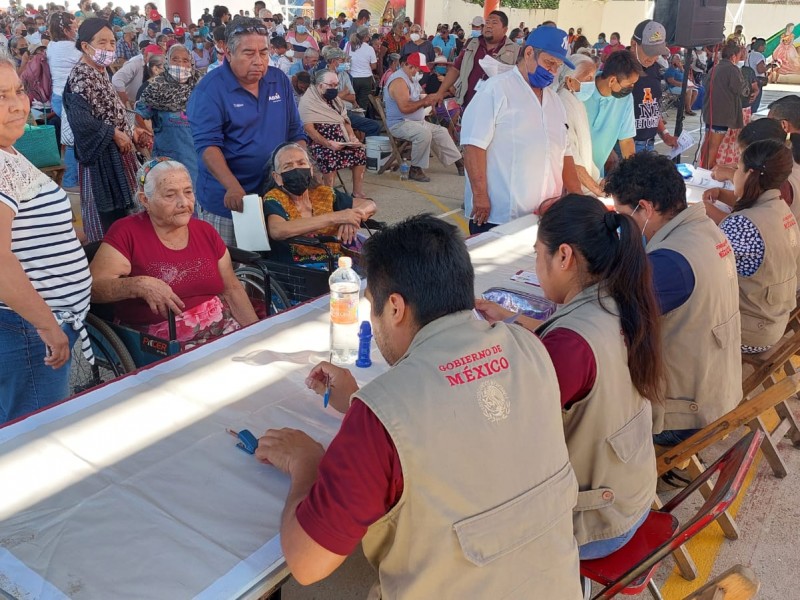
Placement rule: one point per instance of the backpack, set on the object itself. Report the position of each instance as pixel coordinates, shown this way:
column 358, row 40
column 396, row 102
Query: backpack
column 37, row 79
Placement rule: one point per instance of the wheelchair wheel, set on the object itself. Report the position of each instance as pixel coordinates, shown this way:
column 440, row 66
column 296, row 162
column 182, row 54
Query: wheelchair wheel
column 253, row 281
column 111, row 358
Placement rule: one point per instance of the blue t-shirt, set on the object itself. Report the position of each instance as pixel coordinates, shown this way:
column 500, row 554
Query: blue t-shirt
column 673, row 73
column 448, row 47
column 245, row 128
column 610, row 120
column 673, row 278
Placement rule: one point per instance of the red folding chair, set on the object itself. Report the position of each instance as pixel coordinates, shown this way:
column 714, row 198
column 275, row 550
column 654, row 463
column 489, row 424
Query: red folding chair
column 630, row 569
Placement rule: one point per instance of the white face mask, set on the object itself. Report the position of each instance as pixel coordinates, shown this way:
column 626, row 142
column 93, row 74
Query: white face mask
column 740, row 64
column 176, row 20
column 289, row 53
column 418, row 77
column 415, row 37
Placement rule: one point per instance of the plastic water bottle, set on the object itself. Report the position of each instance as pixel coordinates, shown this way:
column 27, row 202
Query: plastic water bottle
column 404, row 169
column 345, row 286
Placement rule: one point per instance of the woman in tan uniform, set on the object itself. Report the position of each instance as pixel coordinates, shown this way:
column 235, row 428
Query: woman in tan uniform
column 604, row 342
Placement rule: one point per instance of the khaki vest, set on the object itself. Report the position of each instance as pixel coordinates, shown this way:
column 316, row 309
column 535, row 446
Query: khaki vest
column 507, row 55
column 609, row 433
column 707, row 325
column 486, row 509
column 767, row 297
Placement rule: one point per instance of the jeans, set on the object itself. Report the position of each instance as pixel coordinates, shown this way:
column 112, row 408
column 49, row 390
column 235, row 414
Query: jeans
column 362, row 88
column 71, row 164
column 26, row 383
column 370, row 127
column 602, row 548
column 645, row 145
column 673, row 437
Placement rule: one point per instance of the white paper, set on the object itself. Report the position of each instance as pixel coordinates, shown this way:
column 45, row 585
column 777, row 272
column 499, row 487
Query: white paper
column 685, row 141
column 528, row 277
column 249, row 225
column 702, row 178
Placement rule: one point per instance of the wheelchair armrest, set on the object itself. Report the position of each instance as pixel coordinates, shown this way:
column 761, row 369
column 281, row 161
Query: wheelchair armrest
column 243, row 256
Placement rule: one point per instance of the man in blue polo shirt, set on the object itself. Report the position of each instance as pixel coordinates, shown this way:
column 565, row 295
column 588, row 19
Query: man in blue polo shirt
column 238, row 114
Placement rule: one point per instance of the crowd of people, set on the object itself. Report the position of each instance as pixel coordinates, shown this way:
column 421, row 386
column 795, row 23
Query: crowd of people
column 168, row 125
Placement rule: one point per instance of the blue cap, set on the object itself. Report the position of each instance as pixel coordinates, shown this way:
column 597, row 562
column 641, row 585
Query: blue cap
column 553, row 41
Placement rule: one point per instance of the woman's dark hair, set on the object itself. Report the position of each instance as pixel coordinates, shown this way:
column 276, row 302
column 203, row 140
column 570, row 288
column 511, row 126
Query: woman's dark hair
column 761, row 129
column 611, row 247
column 648, row 176
column 580, row 42
column 413, row 258
column 58, row 23
column 770, row 163
column 621, row 64
column 514, row 33
column 220, row 11
column 90, row 28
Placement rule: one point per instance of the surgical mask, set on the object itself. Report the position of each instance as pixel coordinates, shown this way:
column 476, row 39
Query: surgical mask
column 199, row 45
column 740, row 64
column 180, row 74
column 441, row 70
column 342, row 67
column 42, row 29
column 219, row 50
column 475, row 33
column 586, row 91
column 367, row 24
column 176, row 20
column 330, row 94
column 102, row 58
column 289, row 53
column 519, row 41
column 541, row 77
column 646, row 221
column 415, row 37
column 118, row 34
column 418, row 77
column 461, row 35
column 405, row 30
column 296, row 181
column 301, row 29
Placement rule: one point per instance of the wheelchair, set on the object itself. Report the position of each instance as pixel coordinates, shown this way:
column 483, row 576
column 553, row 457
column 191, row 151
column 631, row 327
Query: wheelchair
column 119, row 349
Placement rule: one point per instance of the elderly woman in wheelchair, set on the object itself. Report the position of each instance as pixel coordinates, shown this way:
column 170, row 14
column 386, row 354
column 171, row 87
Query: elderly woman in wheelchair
column 295, row 204
column 163, row 260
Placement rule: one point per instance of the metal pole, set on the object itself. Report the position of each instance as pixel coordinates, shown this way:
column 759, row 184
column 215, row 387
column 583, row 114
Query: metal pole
column 687, row 71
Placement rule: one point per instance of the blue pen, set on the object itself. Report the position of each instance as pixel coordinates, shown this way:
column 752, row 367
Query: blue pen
column 327, row 397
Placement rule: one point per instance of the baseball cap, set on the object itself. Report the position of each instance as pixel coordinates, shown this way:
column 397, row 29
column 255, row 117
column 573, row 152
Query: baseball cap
column 552, row 40
column 153, row 26
column 179, row 31
column 652, row 37
column 417, row 59
column 167, row 31
column 154, row 16
column 478, row 22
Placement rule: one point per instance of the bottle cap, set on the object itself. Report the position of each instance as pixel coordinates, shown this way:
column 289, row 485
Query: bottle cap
column 345, row 262
column 365, row 330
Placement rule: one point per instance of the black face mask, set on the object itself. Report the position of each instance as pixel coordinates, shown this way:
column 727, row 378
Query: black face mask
column 330, row 94
column 623, row 92
column 296, row 181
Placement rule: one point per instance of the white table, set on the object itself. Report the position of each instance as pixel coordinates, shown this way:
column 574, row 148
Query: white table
column 135, row 491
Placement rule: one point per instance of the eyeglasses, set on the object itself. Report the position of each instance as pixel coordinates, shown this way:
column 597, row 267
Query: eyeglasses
column 239, row 29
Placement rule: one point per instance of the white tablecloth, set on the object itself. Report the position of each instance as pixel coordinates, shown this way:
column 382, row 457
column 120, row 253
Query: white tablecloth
column 135, row 491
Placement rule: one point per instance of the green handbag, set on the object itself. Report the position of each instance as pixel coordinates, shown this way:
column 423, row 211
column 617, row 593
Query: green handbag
column 38, row 144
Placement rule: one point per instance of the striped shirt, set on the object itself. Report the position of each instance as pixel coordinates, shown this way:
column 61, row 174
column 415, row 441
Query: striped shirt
column 44, row 241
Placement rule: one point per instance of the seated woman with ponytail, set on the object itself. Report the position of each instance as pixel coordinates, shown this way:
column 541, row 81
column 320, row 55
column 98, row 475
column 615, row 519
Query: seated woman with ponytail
column 296, row 205
column 604, row 342
column 766, row 243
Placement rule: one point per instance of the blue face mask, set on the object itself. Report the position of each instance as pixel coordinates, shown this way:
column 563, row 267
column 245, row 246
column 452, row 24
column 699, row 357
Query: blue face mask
column 301, row 29
column 519, row 41
column 441, row 70
column 342, row 68
column 118, row 34
column 540, row 78
column 366, row 24
column 586, row 91
column 42, row 29
column 199, row 45
column 476, row 33
column 204, row 31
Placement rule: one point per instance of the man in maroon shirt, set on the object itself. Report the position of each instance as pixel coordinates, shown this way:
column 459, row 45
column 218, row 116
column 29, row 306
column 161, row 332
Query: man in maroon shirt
column 431, row 399
column 467, row 69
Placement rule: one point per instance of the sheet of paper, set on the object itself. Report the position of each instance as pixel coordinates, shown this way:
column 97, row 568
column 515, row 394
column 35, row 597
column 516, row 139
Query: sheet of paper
column 528, row 277
column 685, row 141
column 251, row 231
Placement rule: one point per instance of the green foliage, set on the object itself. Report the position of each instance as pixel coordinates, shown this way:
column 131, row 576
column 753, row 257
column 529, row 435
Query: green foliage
column 525, row 4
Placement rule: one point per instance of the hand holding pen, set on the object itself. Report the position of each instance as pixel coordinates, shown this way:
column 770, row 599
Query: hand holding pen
column 335, row 383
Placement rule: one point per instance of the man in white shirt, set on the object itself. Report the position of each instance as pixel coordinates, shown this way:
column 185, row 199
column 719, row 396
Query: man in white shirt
column 514, row 134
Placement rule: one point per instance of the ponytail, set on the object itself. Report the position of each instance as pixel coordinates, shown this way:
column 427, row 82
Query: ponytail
column 612, row 251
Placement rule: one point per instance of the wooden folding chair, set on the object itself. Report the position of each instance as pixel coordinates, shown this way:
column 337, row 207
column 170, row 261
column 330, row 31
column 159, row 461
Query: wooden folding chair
column 761, row 370
column 743, row 415
column 398, row 146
